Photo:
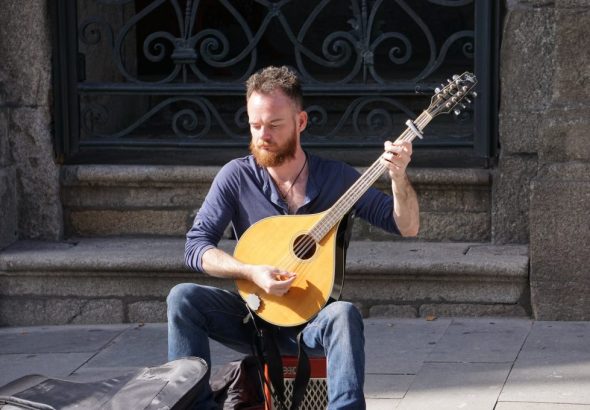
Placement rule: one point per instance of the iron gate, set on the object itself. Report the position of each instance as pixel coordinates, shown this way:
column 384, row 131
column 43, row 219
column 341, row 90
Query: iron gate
column 156, row 79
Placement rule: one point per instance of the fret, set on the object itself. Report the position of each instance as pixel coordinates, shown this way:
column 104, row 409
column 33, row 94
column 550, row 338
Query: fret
column 365, row 181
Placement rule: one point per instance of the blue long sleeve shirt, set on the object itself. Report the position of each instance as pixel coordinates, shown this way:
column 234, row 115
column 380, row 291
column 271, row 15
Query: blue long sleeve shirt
column 243, row 193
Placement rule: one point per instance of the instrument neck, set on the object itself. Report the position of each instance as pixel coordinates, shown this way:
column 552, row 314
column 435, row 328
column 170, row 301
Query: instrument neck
column 365, row 181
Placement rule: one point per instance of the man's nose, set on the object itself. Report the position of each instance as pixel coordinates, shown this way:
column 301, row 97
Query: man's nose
column 265, row 134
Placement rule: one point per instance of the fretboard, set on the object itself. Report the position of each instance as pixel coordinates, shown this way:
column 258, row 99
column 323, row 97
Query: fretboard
column 365, row 181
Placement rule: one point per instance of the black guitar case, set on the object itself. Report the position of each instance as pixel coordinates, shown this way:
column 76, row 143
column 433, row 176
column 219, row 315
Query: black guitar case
column 173, row 386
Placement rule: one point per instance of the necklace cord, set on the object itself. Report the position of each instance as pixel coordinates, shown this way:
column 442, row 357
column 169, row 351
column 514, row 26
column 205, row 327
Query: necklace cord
column 284, row 196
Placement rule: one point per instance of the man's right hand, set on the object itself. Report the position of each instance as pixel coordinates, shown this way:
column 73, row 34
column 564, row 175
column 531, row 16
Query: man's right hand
column 272, row 280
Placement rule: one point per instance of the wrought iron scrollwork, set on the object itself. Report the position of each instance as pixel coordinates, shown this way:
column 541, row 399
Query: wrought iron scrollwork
column 354, row 49
column 194, row 120
column 372, row 54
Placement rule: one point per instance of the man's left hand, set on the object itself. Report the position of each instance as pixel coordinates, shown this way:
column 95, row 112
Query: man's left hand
column 396, row 157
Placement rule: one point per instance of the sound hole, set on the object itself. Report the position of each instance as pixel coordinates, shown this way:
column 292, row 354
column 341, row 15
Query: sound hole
column 304, row 246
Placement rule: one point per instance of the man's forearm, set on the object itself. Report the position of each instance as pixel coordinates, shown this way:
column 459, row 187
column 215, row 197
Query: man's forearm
column 405, row 207
column 222, row 265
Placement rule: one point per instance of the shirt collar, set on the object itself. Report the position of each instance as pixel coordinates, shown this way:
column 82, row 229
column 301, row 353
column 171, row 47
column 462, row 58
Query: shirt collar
column 270, row 190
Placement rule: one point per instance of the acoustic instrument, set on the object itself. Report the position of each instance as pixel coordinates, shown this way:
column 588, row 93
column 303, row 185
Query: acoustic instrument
column 314, row 245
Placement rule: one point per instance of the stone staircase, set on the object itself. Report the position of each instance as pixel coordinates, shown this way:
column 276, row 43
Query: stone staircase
column 125, row 227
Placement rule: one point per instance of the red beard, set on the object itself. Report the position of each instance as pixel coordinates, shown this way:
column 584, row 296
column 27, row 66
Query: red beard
column 274, row 159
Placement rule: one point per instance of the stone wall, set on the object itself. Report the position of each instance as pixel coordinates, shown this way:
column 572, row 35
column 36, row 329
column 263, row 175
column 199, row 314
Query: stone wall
column 526, row 71
column 8, row 215
column 542, row 186
column 29, row 176
column 108, row 200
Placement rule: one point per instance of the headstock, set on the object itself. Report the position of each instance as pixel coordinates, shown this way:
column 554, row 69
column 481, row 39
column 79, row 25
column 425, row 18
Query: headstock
column 454, row 95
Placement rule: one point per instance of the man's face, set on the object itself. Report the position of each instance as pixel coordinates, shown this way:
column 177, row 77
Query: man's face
column 275, row 125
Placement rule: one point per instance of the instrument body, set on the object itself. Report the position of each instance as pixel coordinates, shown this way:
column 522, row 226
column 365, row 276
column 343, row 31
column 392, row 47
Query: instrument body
column 320, row 276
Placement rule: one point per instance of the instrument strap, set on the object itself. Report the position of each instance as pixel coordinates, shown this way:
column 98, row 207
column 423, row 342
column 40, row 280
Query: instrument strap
column 302, row 376
column 268, row 353
column 272, row 358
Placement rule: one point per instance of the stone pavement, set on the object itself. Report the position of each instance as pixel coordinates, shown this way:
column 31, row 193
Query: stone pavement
column 458, row 363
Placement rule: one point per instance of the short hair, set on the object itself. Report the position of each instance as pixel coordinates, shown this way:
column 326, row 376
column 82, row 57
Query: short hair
column 272, row 78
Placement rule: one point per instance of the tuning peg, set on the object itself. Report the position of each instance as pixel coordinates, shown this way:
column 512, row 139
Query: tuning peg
column 457, row 111
column 437, row 90
column 473, row 94
column 456, row 77
column 467, row 100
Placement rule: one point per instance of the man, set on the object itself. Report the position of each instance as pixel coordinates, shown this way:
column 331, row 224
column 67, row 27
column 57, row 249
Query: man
column 281, row 178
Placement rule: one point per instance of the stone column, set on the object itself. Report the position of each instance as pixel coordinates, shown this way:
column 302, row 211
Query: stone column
column 8, row 215
column 27, row 161
column 560, row 192
column 526, row 72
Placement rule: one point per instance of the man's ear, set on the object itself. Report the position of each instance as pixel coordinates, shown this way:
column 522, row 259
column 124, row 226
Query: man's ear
column 302, row 120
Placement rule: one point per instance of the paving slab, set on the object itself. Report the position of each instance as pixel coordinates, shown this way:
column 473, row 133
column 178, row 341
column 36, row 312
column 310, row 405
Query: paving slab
column 60, row 365
column 441, row 386
column 58, row 339
column 539, row 406
column 382, row 404
column 411, row 363
column 481, row 340
column 387, row 386
column 137, row 346
column 93, row 370
column 400, row 346
column 553, row 366
column 147, row 345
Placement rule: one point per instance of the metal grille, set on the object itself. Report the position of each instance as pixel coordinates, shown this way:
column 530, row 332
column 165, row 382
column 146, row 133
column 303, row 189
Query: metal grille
column 316, row 395
column 169, row 74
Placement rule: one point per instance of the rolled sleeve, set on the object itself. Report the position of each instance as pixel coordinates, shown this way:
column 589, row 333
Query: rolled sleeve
column 213, row 217
column 374, row 206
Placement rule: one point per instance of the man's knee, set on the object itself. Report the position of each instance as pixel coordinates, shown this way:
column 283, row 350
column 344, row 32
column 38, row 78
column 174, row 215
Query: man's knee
column 178, row 293
column 181, row 298
column 345, row 309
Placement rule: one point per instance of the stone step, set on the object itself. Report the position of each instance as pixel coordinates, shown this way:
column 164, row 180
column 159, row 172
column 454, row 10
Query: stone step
column 124, row 279
column 101, row 200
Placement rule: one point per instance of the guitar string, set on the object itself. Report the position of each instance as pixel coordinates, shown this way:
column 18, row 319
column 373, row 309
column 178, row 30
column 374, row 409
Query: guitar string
column 307, row 243
column 349, row 200
column 325, row 224
column 293, row 263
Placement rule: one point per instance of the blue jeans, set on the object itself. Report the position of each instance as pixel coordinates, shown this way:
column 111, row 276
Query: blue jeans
column 197, row 313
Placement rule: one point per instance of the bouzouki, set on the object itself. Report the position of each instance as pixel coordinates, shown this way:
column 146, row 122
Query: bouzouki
column 313, row 246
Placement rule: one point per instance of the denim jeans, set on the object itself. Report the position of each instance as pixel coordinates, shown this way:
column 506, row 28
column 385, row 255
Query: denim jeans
column 197, row 313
